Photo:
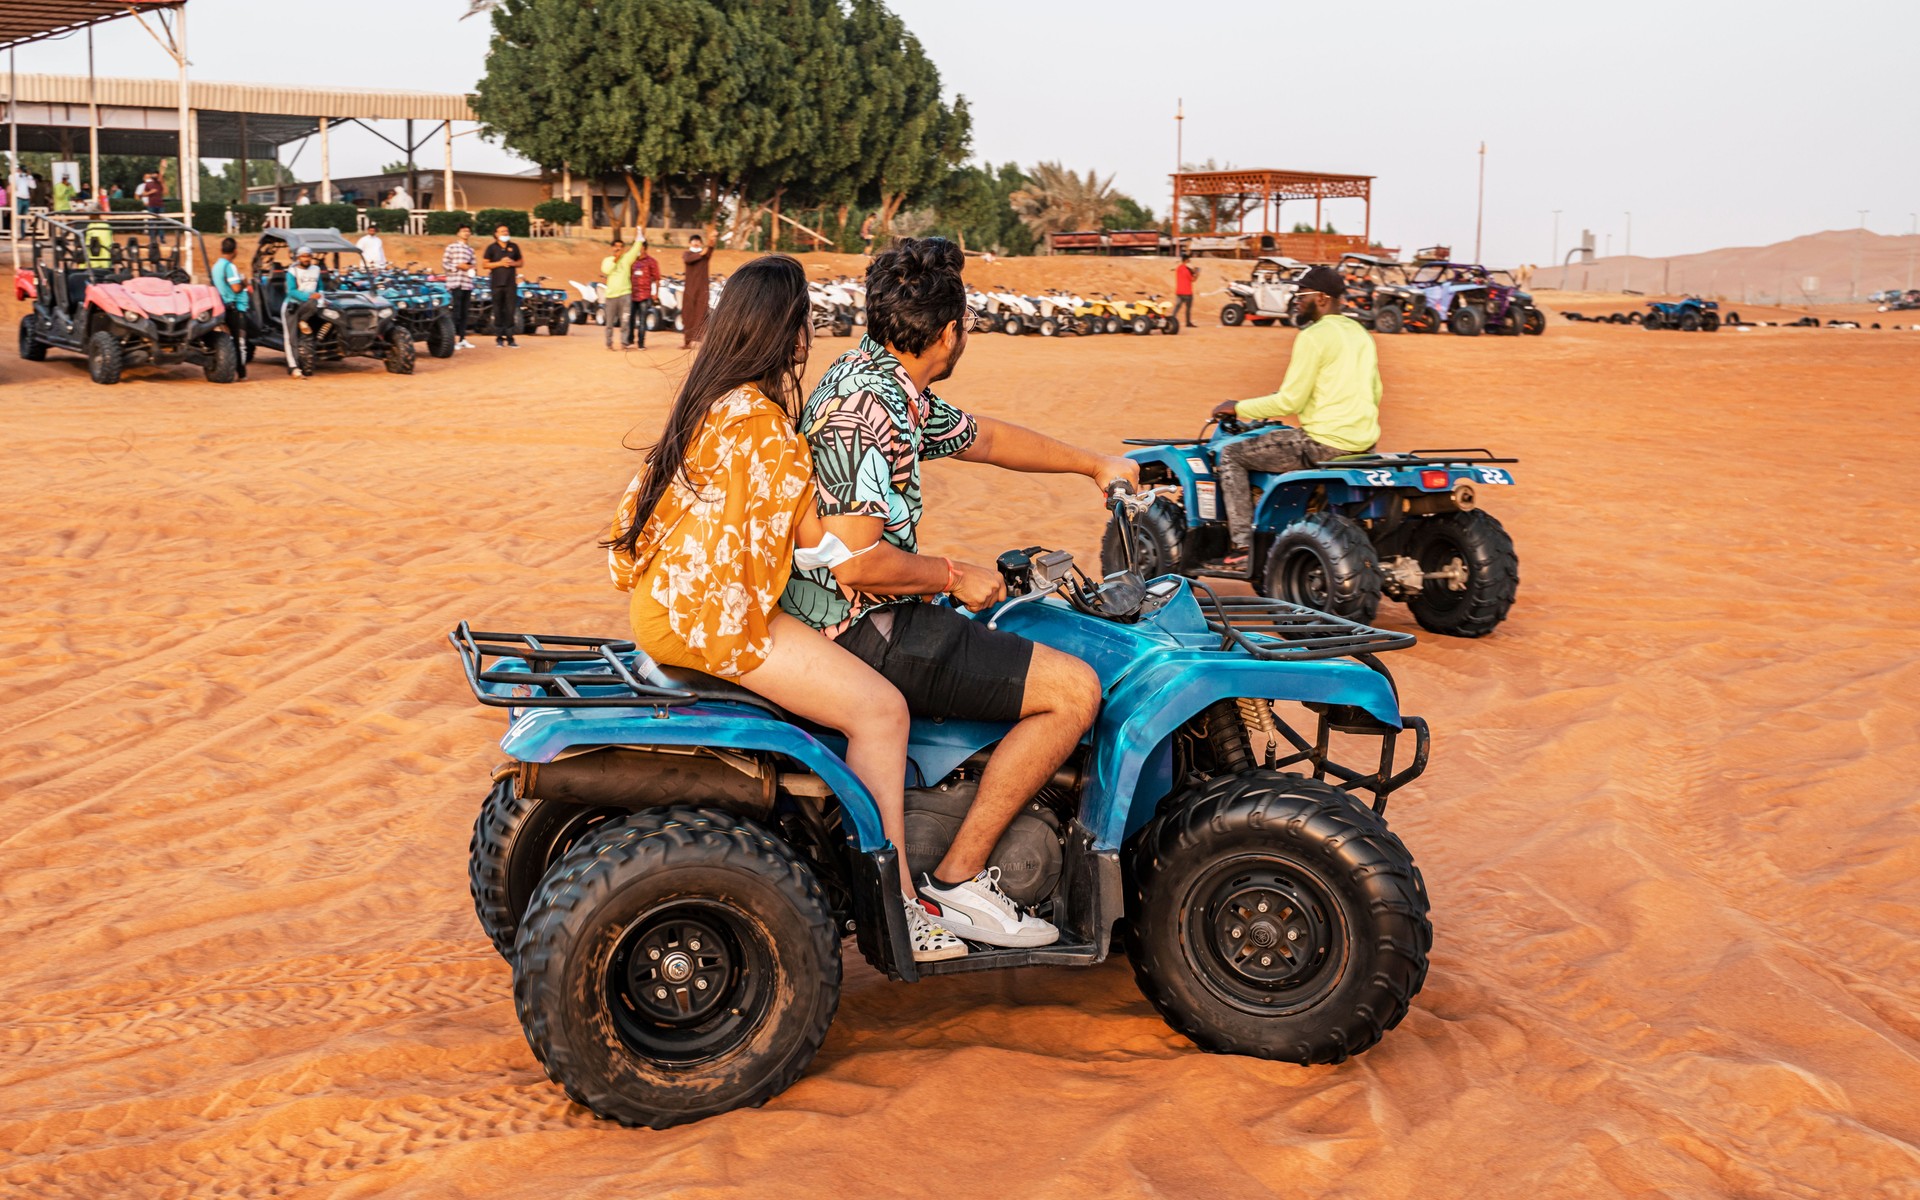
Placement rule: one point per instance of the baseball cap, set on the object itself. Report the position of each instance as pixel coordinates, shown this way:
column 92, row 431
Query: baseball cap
column 1323, row 279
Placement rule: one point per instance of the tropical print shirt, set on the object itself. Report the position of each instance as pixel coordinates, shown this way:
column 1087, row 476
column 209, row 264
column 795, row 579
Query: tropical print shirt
column 869, row 429
column 716, row 555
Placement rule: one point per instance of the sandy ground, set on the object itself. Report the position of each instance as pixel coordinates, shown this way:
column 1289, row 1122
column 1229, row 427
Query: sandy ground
column 1669, row 828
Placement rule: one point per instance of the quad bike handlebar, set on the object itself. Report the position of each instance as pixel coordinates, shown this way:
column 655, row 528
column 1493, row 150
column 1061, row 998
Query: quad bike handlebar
column 1122, row 596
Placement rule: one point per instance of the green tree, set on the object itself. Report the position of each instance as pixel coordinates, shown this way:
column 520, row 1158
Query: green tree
column 1128, row 213
column 1059, row 200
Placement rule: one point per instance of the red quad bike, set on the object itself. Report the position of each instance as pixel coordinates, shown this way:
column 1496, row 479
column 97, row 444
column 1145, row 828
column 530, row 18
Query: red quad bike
column 113, row 287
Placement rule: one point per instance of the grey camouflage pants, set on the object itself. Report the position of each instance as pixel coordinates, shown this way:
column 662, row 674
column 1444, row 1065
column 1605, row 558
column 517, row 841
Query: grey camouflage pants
column 1282, row 449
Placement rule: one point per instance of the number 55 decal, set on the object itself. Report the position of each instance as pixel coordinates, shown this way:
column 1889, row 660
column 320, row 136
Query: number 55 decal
column 1378, row 478
column 1493, row 475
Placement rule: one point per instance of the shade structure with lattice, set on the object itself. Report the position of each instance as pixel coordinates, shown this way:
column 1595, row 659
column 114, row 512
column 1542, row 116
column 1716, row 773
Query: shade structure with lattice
column 1241, row 192
column 23, row 21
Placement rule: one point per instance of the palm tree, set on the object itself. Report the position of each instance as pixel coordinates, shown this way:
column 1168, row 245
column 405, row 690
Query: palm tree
column 1057, row 200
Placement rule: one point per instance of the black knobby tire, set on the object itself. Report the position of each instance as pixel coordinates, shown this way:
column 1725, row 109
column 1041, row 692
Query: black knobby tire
column 222, row 362
column 306, row 352
column 1649, row 321
column 442, row 339
column 1689, row 321
column 1326, row 562
column 106, row 358
column 558, row 327
column 1533, row 322
column 652, row 321
column 1389, row 319
column 1158, row 534
column 1141, row 324
column 515, row 839
column 1232, row 314
column 399, row 357
column 1466, row 320
column 31, row 347
column 1344, row 930
column 1481, row 544
column 1173, row 325
column 1012, row 325
column 1049, row 327
column 1709, row 322
column 738, row 906
column 1112, row 324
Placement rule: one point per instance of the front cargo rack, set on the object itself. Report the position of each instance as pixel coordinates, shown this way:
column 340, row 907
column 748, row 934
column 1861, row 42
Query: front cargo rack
column 558, row 668
column 1283, row 632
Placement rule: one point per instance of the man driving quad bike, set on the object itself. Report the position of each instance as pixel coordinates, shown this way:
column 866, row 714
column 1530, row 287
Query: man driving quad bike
column 1332, row 384
column 870, row 423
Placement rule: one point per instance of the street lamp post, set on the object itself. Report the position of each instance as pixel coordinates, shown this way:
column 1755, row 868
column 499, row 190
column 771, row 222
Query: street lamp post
column 1915, row 218
column 1853, row 290
column 1480, row 208
column 1556, row 236
column 1627, row 285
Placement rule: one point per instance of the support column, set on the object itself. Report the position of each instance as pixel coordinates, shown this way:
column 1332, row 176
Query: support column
column 413, row 177
column 186, row 132
column 326, row 166
column 13, row 154
column 243, row 159
column 446, row 171
column 93, row 129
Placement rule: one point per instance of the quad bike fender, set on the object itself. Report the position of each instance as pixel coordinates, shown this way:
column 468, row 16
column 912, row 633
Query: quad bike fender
column 1131, row 769
column 540, row 735
column 1190, row 467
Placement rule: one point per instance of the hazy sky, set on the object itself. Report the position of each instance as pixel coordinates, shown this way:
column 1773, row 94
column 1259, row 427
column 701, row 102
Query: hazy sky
column 1715, row 122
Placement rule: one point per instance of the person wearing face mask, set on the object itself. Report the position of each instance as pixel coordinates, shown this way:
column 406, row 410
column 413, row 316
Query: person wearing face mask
column 695, row 264
column 1332, row 384
column 503, row 275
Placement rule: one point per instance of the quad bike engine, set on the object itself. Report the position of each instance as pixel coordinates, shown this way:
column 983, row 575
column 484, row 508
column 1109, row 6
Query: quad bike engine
column 1028, row 854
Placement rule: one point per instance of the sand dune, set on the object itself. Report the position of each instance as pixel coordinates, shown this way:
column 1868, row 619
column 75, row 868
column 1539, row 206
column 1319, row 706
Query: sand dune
column 1669, row 829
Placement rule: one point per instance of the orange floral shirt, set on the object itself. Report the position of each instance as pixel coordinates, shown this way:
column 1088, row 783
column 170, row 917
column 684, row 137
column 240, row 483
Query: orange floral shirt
column 716, row 555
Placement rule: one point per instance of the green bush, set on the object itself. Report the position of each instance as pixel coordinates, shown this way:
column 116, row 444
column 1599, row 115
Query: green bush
column 515, row 219
column 448, row 223
column 126, row 204
column 559, row 212
column 253, row 217
column 388, row 220
column 209, row 216
column 343, row 217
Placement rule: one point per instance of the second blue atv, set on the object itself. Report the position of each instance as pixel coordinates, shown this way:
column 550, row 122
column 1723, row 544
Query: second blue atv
column 1337, row 537
column 1689, row 315
column 670, row 862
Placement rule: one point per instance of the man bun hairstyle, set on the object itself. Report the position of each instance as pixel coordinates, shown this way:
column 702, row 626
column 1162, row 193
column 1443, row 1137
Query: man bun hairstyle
column 914, row 292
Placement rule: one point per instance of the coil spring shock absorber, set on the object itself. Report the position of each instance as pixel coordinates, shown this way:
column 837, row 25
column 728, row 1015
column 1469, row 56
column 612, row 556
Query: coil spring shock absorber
column 1257, row 717
column 1227, row 734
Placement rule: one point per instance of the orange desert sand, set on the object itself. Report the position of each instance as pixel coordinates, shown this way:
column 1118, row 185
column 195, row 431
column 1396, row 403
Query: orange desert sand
column 1669, row 829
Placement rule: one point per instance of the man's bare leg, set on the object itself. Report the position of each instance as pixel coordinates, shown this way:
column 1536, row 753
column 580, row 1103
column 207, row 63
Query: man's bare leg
column 1061, row 700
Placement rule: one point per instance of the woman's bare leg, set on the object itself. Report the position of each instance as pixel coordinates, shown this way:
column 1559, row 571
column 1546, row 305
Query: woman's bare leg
column 808, row 675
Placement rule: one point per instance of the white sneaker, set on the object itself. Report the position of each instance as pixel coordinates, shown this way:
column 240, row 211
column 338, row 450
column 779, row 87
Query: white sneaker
column 463, row 344
column 930, row 939
column 979, row 911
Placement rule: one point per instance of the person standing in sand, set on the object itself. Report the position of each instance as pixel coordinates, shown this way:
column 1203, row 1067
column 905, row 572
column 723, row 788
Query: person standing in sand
column 705, row 539
column 643, row 274
column 1332, row 384
column 693, row 297
column 503, row 276
column 231, row 283
column 1183, row 277
column 616, row 299
column 456, row 263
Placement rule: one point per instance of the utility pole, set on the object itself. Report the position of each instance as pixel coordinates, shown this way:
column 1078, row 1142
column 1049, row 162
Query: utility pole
column 1853, row 289
column 1915, row 218
column 1627, row 286
column 1556, row 236
column 1179, row 165
column 1480, row 209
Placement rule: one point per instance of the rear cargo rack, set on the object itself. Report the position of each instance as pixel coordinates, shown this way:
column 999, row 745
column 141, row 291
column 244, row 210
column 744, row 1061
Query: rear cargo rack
column 558, row 668
column 1470, row 455
column 1283, row 632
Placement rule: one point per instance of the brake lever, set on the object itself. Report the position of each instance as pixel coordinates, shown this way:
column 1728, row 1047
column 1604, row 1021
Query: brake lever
column 1049, row 589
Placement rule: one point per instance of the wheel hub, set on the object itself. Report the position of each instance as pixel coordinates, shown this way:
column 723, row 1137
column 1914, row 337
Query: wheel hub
column 1268, row 932
column 679, row 971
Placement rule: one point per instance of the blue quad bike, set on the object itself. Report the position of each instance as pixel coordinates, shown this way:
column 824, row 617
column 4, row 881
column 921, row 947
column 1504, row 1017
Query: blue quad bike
column 670, row 862
column 1337, row 537
column 1689, row 316
column 420, row 302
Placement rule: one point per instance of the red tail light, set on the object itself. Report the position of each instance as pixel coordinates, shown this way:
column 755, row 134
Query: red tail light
column 1433, row 480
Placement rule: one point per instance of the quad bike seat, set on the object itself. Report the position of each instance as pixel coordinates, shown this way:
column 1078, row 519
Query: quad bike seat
column 707, row 687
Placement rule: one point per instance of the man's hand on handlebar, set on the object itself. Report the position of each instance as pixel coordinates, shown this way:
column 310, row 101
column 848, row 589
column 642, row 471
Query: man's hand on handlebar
column 1116, row 469
column 1227, row 410
column 977, row 588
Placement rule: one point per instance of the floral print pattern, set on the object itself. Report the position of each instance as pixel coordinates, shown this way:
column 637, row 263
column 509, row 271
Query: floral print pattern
column 869, row 429
column 716, row 555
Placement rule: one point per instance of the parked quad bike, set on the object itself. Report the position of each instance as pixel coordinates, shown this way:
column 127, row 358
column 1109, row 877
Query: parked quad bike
column 669, row 861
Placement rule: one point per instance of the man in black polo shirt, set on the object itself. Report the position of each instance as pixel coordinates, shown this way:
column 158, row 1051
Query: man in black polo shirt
column 503, row 273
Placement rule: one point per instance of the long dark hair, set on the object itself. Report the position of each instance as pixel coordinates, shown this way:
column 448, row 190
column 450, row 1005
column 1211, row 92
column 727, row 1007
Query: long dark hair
column 751, row 337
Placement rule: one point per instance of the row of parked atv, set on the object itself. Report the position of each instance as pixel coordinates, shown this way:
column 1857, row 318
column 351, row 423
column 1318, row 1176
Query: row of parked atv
column 1388, row 296
column 1054, row 313
column 114, row 288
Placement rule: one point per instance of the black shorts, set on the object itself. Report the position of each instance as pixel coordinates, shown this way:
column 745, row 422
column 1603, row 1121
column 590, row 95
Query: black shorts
column 945, row 663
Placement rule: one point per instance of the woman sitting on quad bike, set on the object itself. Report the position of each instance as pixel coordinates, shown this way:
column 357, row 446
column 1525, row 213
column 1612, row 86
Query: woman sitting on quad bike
column 705, row 542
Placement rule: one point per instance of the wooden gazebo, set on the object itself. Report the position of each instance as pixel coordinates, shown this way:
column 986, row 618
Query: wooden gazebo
column 1267, row 190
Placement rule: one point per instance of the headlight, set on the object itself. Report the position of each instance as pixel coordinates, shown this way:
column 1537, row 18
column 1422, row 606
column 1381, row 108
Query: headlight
column 331, row 314
column 205, row 314
column 385, row 311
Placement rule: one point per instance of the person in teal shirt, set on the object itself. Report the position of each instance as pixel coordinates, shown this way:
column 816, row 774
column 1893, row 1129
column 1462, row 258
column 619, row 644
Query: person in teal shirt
column 232, row 286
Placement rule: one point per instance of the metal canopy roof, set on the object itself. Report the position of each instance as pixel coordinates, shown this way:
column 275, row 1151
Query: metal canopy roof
column 254, row 99
column 23, row 21
column 1278, row 185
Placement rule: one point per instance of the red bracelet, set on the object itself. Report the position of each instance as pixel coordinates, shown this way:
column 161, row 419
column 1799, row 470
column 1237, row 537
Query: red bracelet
column 953, row 576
